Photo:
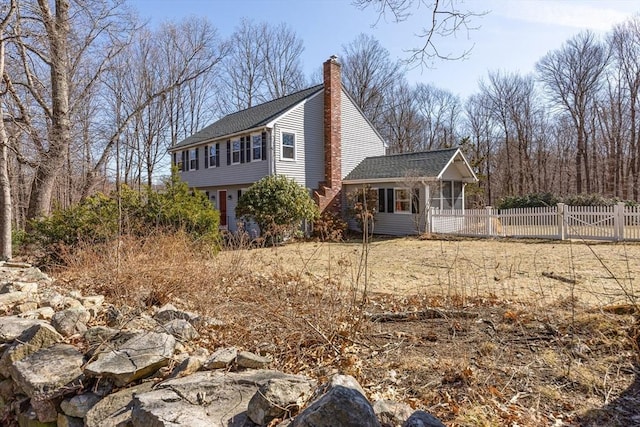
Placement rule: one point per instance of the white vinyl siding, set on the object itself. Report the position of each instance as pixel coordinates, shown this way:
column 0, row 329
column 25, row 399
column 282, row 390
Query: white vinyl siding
column 305, row 121
column 387, row 219
column 359, row 139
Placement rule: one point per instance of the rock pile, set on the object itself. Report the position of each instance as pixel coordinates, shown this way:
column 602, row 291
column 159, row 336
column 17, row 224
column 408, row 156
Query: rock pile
column 60, row 366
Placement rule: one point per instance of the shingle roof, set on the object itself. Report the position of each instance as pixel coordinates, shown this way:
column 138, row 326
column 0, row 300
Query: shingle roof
column 250, row 118
column 420, row 164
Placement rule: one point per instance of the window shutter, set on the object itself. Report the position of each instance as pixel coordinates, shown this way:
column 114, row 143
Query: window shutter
column 206, row 156
column 242, row 144
column 175, row 159
column 197, row 159
column 264, row 146
column 184, row 161
column 415, row 201
column 239, row 194
column 228, row 151
column 381, row 200
column 390, row 200
column 218, row 155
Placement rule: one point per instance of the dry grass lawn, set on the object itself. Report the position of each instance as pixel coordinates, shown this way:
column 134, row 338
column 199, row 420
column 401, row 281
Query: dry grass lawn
column 531, row 271
column 478, row 332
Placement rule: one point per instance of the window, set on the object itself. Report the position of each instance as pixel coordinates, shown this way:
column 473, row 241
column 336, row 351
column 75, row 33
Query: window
column 382, row 203
column 235, row 151
column 448, row 195
column 193, row 159
column 403, row 200
column 213, row 156
column 457, row 194
column 288, row 145
column 256, row 146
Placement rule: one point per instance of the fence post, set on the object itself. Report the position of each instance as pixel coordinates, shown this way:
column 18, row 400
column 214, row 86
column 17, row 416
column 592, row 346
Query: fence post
column 561, row 221
column 430, row 220
column 489, row 226
column 618, row 221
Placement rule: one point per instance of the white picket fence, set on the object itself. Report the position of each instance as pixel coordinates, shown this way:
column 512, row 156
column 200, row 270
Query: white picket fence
column 614, row 223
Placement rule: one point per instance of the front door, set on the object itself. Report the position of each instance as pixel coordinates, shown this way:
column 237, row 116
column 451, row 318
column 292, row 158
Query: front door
column 222, row 207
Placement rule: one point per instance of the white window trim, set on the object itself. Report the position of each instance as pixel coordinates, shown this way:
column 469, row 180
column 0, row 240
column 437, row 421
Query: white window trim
column 253, row 159
column 295, row 146
column 193, row 159
column 395, row 200
column 211, row 148
column 233, row 141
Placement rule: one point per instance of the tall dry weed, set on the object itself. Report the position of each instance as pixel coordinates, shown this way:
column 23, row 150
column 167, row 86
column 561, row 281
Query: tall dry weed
column 304, row 323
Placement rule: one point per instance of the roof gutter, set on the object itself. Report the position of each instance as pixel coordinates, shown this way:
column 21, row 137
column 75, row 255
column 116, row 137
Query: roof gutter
column 390, row 179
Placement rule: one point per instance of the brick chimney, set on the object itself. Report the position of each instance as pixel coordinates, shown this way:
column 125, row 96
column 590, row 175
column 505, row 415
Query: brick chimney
column 332, row 123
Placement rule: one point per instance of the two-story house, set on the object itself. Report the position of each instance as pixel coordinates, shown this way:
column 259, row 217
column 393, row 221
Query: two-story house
column 316, row 136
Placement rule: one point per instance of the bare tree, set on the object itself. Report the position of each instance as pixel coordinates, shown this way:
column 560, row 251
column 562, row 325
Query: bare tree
column 572, row 76
column 480, row 125
column 403, row 125
column 6, row 204
column 441, row 110
column 163, row 62
column 445, row 19
column 263, row 64
column 368, row 73
column 281, row 53
column 243, row 81
column 624, row 41
column 61, row 49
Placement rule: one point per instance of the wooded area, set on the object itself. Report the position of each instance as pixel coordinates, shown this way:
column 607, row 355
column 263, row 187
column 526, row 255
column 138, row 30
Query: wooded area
column 91, row 97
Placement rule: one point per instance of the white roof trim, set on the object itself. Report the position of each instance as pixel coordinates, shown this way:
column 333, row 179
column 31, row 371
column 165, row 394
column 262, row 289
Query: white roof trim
column 391, row 179
column 287, row 112
column 452, row 159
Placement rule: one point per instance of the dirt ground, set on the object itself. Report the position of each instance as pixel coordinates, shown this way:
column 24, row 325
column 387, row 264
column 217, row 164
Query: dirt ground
column 532, row 271
column 489, row 332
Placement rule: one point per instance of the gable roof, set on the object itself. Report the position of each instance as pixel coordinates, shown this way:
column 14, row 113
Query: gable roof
column 423, row 164
column 249, row 118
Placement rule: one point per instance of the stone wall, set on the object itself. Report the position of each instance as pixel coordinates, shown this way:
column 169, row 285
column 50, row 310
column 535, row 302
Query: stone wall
column 72, row 360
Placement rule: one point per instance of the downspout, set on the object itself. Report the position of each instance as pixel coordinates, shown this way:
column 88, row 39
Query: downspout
column 272, row 150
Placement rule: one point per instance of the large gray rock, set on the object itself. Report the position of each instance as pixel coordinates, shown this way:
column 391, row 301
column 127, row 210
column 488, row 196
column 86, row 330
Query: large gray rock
column 340, row 406
column 391, row 413
column 278, row 398
column 71, row 321
column 137, row 358
column 181, row 329
column 188, row 366
column 12, row 327
column 79, row 405
column 114, row 410
column 7, row 301
column 30, row 341
column 67, row 421
column 246, row 359
column 28, row 287
column 169, row 312
column 211, row 399
column 422, row 419
column 221, row 358
column 49, row 372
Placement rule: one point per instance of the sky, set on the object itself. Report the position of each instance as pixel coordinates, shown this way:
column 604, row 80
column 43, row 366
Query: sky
column 512, row 36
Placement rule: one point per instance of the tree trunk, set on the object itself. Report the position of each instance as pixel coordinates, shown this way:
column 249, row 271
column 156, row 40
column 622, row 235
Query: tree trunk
column 5, row 183
column 57, row 28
